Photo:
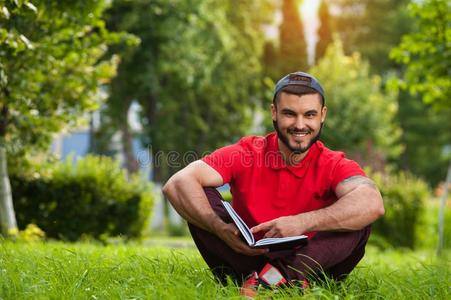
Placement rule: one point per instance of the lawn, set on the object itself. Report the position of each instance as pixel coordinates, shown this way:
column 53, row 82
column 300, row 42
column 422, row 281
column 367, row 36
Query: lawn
column 88, row 271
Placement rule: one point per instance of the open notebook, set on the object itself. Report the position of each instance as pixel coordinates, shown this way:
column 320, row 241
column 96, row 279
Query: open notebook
column 271, row 243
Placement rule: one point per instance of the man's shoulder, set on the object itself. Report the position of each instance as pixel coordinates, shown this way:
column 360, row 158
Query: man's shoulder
column 330, row 157
column 337, row 166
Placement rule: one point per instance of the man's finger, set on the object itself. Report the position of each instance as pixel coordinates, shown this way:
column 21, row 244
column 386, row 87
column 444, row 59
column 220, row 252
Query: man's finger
column 270, row 234
column 261, row 227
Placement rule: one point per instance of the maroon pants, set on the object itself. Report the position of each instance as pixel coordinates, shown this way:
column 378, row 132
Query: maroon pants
column 334, row 254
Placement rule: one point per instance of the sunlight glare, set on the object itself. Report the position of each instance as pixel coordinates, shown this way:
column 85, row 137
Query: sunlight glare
column 308, row 10
column 309, row 7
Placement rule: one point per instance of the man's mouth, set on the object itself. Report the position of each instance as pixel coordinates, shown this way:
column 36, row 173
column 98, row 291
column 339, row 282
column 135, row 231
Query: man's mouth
column 297, row 133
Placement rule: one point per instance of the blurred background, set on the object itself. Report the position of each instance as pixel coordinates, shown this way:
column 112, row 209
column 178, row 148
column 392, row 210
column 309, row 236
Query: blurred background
column 102, row 101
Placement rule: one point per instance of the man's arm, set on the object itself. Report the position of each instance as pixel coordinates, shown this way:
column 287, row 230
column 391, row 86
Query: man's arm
column 185, row 192
column 359, row 204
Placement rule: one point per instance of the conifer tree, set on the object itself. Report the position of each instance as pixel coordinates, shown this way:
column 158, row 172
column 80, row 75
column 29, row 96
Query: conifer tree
column 324, row 31
column 293, row 47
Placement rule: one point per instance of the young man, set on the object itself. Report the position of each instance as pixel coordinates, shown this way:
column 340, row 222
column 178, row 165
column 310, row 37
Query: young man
column 284, row 184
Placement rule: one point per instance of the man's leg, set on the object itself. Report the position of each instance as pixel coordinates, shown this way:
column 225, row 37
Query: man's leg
column 334, row 253
column 331, row 253
column 222, row 259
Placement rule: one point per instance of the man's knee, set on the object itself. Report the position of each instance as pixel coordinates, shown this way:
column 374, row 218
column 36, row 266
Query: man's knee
column 215, row 199
column 331, row 253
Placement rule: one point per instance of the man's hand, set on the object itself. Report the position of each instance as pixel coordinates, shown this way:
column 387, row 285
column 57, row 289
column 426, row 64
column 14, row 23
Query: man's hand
column 282, row 227
column 230, row 234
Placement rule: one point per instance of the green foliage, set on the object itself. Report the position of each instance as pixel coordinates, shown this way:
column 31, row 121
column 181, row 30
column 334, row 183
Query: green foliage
column 426, row 53
column 424, row 103
column 426, row 131
column 178, row 229
column 360, row 119
column 372, row 28
column 51, row 72
column 428, row 231
column 91, row 198
column 82, row 271
column 31, row 233
column 195, row 72
column 404, row 199
column 51, row 67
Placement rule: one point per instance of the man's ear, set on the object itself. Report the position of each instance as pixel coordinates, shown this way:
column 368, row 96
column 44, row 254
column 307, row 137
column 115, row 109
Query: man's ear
column 273, row 112
column 323, row 114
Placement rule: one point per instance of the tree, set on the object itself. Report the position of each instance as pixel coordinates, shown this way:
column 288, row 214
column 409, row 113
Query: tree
column 426, row 53
column 425, row 133
column 372, row 28
column 324, row 31
column 51, row 70
column 292, row 44
column 195, row 73
column 361, row 116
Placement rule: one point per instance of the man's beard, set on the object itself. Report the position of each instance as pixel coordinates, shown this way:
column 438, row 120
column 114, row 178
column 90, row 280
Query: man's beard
column 296, row 150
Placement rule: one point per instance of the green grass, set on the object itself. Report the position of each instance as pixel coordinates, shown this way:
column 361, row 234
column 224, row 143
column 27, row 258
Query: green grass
column 87, row 271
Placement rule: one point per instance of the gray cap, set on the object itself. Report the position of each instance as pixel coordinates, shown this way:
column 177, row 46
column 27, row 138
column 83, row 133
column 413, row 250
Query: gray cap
column 299, row 78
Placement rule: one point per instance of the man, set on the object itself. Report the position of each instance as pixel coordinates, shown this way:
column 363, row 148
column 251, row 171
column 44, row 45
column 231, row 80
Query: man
column 284, row 184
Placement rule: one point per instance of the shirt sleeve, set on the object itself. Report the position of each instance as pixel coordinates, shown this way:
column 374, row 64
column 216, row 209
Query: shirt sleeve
column 225, row 161
column 345, row 168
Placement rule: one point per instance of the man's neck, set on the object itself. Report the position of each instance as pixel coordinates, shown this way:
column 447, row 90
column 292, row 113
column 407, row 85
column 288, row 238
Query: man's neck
column 289, row 157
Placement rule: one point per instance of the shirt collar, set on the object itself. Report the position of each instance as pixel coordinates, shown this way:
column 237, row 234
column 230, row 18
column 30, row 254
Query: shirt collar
column 275, row 158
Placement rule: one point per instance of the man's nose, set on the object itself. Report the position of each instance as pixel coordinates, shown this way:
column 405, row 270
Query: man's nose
column 300, row 123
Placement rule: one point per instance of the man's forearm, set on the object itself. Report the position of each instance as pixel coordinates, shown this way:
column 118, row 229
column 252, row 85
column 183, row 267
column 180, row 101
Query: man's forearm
column 189, row 200
column 353, row 211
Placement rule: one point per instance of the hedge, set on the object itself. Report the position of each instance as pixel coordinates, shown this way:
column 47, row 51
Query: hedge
column 405, row 197
column 89, row 198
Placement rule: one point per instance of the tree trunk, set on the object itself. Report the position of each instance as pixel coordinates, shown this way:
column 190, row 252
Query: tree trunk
column 7, row 215
column 159, row 159
column 131, row 162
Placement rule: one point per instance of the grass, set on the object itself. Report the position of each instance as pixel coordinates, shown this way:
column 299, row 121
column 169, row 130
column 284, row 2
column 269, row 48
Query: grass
column 88, row 271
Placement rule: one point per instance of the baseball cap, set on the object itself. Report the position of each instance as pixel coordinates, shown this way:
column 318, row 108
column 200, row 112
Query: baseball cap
column 299, row 78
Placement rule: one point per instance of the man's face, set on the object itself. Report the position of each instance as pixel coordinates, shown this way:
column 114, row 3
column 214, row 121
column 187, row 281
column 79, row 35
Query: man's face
column 298, row 120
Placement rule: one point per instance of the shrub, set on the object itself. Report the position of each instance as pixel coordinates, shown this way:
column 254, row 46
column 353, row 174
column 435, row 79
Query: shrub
column 31, row 233
column 430, row 232
column 91, row 198
column 404, row 200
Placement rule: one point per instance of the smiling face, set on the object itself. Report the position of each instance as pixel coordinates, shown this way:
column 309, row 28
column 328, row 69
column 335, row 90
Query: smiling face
column 298, row 121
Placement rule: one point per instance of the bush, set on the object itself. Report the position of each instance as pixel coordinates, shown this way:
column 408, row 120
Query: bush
column 31, row 233
column 405, row 197
column 430, row 232
column 89, row 198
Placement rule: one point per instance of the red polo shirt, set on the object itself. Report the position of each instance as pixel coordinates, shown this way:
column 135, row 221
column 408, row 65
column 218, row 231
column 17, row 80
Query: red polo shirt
column 263, row 187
